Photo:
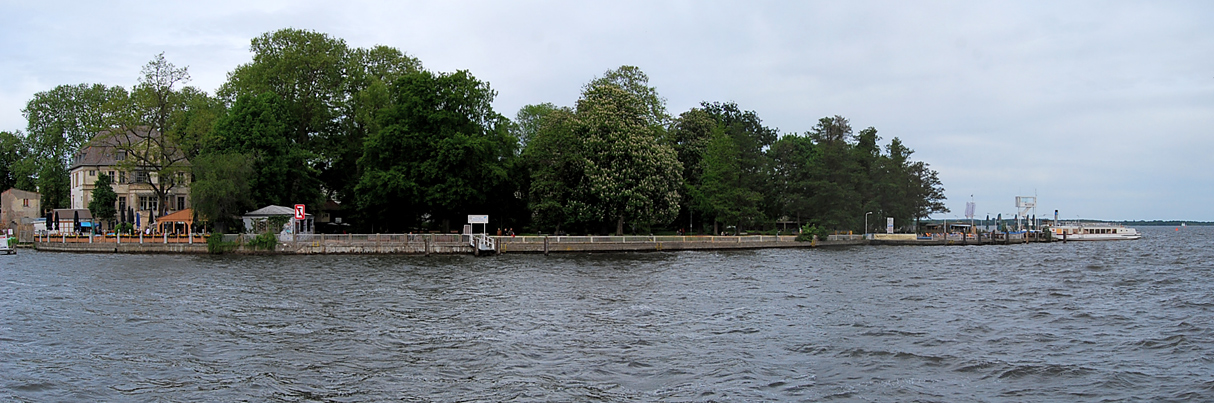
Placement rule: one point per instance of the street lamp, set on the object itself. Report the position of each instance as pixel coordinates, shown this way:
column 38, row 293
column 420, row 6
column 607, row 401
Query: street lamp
column 866, row 223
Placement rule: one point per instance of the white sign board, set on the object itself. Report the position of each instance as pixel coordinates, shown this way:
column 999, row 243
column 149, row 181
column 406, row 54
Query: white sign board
column 889, row 225
column 299, row 212
column 478, row 219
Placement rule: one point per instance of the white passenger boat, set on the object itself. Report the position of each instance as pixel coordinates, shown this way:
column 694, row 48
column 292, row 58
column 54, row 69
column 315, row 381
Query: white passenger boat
column 1094, row 232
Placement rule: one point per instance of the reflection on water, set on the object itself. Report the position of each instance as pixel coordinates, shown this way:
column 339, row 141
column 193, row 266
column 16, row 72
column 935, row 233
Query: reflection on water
column 1074, row 322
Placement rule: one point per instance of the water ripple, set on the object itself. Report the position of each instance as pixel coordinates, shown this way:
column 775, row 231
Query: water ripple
column 1075, row 322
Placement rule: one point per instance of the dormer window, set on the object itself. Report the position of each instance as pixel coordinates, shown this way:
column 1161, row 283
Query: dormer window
column 120, row 156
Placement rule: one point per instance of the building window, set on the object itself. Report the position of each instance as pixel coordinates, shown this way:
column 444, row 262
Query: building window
column 140, row 177
column 25, row 202
column 92, row 172
column 112, row 175
column 119, row 156
column 121, row 176
column 122, row 204
column 181, row 202
column 149, row 203
column 180, row 178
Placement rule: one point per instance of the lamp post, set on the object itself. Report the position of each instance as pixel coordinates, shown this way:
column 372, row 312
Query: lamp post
column 866, row 223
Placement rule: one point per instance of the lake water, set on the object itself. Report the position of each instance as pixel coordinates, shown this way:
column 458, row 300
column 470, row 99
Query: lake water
column 1096, row 321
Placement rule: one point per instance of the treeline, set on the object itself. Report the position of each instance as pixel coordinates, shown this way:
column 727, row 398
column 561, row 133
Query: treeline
column 402, row 148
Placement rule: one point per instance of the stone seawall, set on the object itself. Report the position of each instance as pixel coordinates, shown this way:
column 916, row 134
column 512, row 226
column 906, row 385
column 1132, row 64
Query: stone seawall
column 425, row 246
column 126, row 247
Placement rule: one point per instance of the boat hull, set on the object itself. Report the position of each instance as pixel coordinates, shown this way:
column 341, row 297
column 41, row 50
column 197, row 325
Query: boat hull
column 1094, row 232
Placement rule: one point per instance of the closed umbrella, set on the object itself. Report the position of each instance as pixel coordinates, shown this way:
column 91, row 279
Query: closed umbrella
column 56, row 221
column 76, row 221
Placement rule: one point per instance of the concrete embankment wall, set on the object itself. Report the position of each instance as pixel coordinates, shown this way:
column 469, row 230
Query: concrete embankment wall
column 417, row 245
column 135, row 247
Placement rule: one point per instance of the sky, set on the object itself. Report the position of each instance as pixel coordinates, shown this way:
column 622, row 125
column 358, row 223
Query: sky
column 1101, row 110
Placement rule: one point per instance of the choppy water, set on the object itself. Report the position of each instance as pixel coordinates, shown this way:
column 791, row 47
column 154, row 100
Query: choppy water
column 1103, row 321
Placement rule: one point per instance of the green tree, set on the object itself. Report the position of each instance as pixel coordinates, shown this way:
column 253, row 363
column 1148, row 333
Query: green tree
column 689, row 137
column 59, row 122
column 441, row 151
column 629, row 175
column 16, row 164
column 54, row 185
column 260, row 127
column 793, row 173
column 153, row 128
column 530, row 120
column 553, row 157
column 103, row 204
column 726, row 194
column 835, row 176
column 222, row 187
column 750, row 139
column 331, row 92
column 607, row 161
column 650, row 107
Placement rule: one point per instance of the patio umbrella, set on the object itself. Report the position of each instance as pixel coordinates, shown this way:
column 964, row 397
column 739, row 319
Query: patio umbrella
column 76, row 221
column 56, row 221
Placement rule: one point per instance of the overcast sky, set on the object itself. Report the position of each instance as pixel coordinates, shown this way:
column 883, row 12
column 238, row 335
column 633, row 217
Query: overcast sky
column 1100, row 109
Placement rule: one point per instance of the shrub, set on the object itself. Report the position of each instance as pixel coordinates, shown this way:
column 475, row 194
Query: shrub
column 216, row 245
column 808, row 231
column 266, row 241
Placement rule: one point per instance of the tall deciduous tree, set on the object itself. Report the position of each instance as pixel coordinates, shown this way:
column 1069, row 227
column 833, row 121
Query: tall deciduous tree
column 750, row 140
column 630, row 176
column 606, row 162
column 689, row 136
column 440, row 152
column 726, row 194
column 222, row 187
column 331, row 92
column 553, row 158
column 151, row 128
column 17, row 167
column 60, row 121
column 793, row 174
column 259, row 127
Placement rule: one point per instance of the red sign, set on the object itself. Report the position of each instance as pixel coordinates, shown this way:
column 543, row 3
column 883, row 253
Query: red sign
column 299, row 211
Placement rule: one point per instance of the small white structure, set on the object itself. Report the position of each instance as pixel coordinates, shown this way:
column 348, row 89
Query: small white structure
column 257, row 221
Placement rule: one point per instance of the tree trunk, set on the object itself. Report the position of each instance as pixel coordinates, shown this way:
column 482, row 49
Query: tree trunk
column 715, row 230
column 619, row 227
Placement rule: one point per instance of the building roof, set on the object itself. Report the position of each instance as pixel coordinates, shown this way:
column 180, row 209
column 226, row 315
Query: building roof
column 271, row 210
column 102, row 150
column 66, row 214
column 22, row 194
column 186, row 216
